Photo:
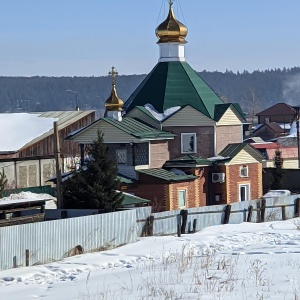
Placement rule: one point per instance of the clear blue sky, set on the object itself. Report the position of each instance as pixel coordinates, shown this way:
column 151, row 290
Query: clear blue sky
column 87, row 37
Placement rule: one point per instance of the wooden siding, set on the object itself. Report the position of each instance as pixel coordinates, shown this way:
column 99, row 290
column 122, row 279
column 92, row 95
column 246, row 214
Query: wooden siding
column 230, row 117
column 111, row 134
column 188, row 116
column 138, row 114
column 44, row 145
column 243, row 157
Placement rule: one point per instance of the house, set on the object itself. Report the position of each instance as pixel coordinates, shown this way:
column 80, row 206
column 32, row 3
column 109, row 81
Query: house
column 281, row 113
column 168, row 134
column 268, row 131
column 27, row 147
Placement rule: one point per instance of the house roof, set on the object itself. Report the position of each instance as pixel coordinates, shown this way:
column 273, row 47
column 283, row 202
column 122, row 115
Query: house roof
column 278, row 109
column 172, row 84
column 220, row 110
column 291, row 152
column 266, row 145
column 275, row 127
column 188, row 160
column 64, row 119
column 231, row 150
column 132, row 127
column 129, row 199
column 166, row 175
column 125, row 179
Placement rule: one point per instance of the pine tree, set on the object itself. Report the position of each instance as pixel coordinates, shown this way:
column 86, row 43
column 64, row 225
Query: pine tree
column 3, row 181
column 278, row 172
column 94, row 185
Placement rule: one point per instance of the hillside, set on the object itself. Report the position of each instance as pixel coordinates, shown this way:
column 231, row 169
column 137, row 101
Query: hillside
column 254, row 91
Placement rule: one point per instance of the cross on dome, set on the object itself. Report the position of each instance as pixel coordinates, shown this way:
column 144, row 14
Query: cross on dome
column 113, row 73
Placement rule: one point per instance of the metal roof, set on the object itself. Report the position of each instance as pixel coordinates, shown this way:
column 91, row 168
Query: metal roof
column 167, row 175
column 279, row 109
column 220, row 109
column 132, row 127
column 172, row 84
column 231, row 150
column 65, row 118
column 129, row 199
column 188, row 160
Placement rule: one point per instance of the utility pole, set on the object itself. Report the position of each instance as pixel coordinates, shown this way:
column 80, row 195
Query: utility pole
column 58, row 167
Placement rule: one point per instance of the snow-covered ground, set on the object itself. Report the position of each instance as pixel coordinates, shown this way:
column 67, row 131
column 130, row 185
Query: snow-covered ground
column 245, row 261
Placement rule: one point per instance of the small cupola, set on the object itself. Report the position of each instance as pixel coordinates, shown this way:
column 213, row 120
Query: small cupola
column 171, row 30
column 114, row 104
column 171, row 36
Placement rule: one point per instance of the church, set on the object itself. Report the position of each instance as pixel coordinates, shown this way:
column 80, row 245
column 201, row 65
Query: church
column 175, row 141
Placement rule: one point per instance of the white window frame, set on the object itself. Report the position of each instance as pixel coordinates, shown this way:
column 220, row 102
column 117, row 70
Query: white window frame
column 191, row 134
column 184, row 194
column 242, row 169
column 247, row 191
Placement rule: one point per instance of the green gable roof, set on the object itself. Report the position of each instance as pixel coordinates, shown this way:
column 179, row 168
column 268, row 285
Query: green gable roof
column 220, row 109
column 138, row 129
column 132, row 127
column 231, row 150
column 172, row 84
column 167, row 175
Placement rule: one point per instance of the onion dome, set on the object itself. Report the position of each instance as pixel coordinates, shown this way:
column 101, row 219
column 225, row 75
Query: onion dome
column 171, row 30
column 113, row 103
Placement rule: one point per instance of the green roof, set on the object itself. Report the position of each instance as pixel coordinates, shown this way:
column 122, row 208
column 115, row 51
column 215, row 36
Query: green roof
column 138, row 129
column 124, row 179
column 220, row 109
column 231, row 150
column 146, row 112
column 172, row 84
column 167, row 175
column 188, row 160
column 133, row 200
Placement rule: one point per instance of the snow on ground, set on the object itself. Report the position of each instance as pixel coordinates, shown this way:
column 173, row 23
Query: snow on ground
column 21, row 128
column 244, row 261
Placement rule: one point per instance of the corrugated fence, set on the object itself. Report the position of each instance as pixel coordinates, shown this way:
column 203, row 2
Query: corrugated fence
column 53, row 240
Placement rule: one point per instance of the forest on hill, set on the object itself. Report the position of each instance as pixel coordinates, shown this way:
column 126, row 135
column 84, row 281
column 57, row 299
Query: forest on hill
column 254, row 91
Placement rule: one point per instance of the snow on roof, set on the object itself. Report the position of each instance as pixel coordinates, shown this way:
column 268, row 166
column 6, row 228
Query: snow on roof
column 161, row 116
column 293, row 130
column 27, row 197
column 20, row 128
column 219, row 157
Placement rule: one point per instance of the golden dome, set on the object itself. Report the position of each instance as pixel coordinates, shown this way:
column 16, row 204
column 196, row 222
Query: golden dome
column 113, row 103
column 171, row 30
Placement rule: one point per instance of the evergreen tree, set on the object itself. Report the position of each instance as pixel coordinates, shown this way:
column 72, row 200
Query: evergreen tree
column 3, row 181
column 95, row 184
column 278, row 172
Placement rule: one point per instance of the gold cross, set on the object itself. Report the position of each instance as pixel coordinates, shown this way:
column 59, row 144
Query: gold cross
column 171, row 2
column 113, row 73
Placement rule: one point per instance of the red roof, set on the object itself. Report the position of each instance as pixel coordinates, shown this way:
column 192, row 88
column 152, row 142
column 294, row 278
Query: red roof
column 290, row 152
column 278, row 109
column 264, row 145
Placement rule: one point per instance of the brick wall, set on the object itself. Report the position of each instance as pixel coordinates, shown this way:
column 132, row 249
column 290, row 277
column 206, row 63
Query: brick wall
column 159, row 153
column 229, row 190
column 204, row 136
column 164, row 195
column 226, row 135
